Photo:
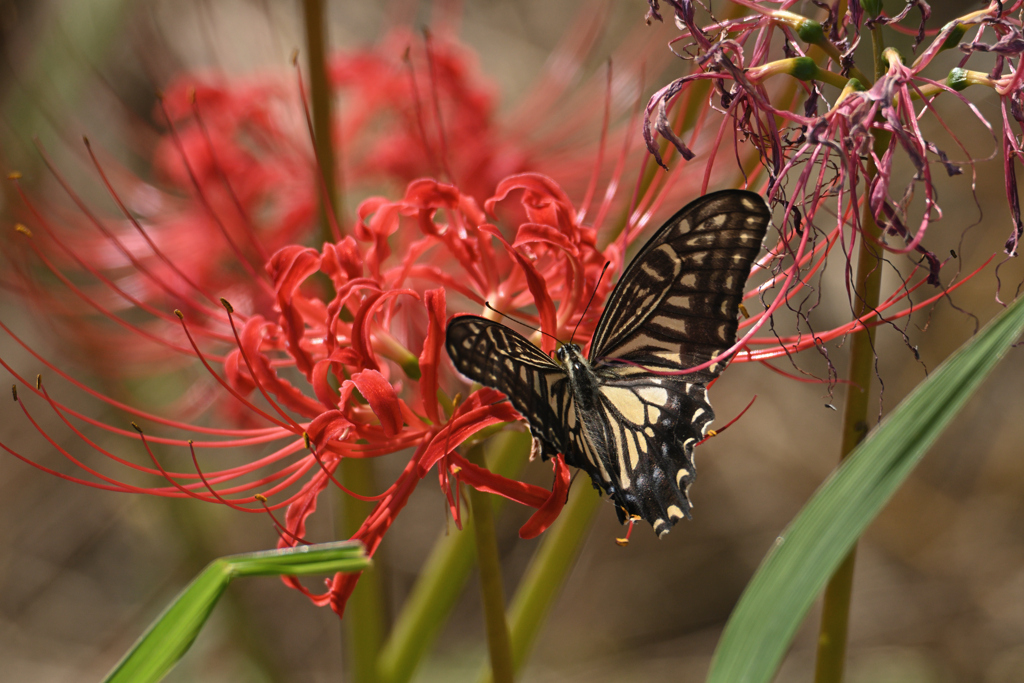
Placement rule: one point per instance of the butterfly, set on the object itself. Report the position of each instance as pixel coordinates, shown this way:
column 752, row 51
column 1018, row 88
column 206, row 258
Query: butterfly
column 617, row 415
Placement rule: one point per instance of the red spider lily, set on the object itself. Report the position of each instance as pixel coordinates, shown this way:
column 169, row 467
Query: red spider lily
column 369, row 354
column 240, row 179
column 356, row 369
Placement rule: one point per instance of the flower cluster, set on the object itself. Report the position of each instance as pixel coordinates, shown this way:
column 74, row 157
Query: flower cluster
column 868, row 125
column 336, row 352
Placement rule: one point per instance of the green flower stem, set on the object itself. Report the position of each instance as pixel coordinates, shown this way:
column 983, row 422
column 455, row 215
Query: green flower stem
column 320, row 93
column 548, row 570
column 835, row 611
column 491, row 590
column 365, row 622
column 444, row 574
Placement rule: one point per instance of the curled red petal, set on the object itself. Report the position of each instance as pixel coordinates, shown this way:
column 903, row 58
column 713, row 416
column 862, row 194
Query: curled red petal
column 529, row 233
column 434, row 300
column 331, row 425
column 538, row 288
column 322, row 387
column 251, row 337
column 289, row 267
column 342, row 261
column 361, row 328
column 542, row 194
column 549, row 511
column 382, row 398
column 463, row 425
column 482, row 479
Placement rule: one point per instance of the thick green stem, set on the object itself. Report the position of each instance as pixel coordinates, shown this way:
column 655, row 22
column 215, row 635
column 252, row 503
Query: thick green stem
column 444, row 574
column 835, row 611
column 320, row 93
column 548, row 570
column 365, row 620
column 491, row 590
column 365, row 623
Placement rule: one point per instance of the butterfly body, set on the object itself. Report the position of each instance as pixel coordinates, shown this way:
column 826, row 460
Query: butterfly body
column 627, row 415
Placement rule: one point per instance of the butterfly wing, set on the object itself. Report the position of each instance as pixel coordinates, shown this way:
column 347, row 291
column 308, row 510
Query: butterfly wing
column 651, row 425
column 677, row 302
column 675, row 307
column 501, row 358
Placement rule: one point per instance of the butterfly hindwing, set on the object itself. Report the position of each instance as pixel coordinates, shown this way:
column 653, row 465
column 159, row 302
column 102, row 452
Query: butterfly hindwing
column 653, row 423
column 676, row 304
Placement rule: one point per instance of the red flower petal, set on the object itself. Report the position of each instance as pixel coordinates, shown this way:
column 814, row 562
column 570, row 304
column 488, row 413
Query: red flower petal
column 382, row 398
column 431, row 354
column 548, row 512
column 538, row 288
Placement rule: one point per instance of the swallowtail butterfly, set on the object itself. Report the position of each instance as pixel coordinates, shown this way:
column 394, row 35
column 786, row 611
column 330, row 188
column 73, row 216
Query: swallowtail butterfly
column 616, row 415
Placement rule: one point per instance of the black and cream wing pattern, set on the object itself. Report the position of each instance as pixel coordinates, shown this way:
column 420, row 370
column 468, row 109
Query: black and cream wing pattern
column 625, row 415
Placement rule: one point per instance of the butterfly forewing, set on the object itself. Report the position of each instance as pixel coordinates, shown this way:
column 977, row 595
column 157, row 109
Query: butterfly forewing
column 676, row 304
column 501, row 358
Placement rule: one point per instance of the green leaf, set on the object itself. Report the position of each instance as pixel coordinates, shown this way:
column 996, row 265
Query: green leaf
column 170, row 636
column 796, row 569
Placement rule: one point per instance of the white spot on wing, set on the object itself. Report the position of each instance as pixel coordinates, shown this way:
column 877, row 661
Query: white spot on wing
column 655, row 395
column 674, row 513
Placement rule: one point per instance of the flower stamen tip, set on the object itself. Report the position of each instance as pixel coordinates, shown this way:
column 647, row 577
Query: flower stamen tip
column 20, row 227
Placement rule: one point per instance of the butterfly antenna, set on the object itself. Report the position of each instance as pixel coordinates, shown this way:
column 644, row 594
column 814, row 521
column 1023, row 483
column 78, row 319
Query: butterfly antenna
column 592, row 295
column 520, row 322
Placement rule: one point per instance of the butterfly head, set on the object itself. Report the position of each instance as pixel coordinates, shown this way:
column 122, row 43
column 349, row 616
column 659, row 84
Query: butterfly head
column 570, row 356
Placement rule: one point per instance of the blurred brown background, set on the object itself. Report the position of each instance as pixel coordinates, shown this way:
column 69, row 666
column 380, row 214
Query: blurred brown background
column 939, row 589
